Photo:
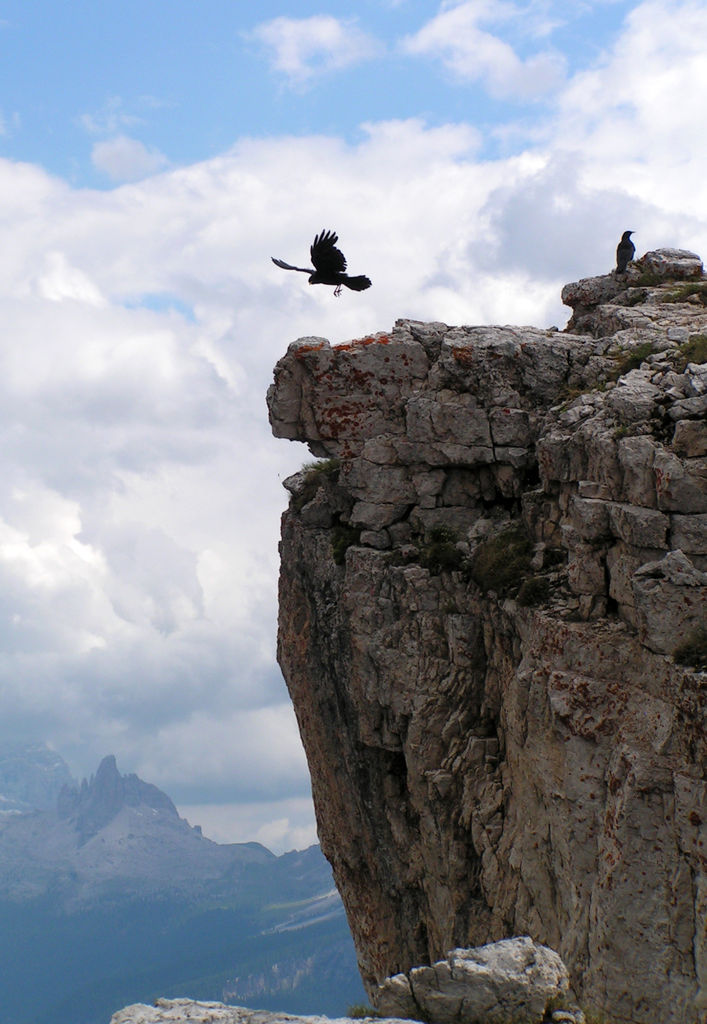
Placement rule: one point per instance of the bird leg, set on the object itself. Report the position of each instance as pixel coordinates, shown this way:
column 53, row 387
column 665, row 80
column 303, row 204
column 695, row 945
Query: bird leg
column 337, row 290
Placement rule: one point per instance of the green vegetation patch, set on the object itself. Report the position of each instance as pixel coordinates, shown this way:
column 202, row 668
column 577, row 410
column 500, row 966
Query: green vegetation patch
column 648, row 279
column 693, row 351
column 326, row 467
column 502, row 563
column 631, row 359
column 554, row 556
column 440, row 553
column 533, row 590
column 636, row 296
column 342, row 537
column 317, row 473
column 692, row 652
column 624, row 430
column 684, row 291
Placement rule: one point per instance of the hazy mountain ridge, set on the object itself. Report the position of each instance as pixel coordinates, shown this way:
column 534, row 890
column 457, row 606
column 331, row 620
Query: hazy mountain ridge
column 116, row 834
column 31, row 778
column 111, row 897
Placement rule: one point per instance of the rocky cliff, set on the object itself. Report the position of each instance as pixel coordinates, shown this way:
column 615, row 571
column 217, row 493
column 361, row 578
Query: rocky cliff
column 492, row 626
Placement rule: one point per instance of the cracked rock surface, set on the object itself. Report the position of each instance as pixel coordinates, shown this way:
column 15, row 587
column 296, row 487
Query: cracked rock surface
column 509, row 980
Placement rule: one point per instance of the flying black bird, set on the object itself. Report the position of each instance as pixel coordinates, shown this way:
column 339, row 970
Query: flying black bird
column 624, row 252
column 329, row 265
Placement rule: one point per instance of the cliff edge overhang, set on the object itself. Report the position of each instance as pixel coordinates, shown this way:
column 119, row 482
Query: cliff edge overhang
column 492, row 625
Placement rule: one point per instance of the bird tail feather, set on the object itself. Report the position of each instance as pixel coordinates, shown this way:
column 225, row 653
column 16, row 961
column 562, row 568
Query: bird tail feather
column 358, row 284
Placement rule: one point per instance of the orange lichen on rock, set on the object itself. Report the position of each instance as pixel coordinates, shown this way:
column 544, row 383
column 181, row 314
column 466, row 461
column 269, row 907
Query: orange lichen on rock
column 372, row 339
column 304, row 350
column 463, row 356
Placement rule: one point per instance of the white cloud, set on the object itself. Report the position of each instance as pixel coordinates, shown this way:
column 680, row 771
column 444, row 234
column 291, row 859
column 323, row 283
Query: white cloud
column 289, row 824
column 126, row 159
column 301, row 48
column 282, row 834
column 634, row 117
column 60, row 281
column 110, row 119
column 475, row 55
column 202, row 746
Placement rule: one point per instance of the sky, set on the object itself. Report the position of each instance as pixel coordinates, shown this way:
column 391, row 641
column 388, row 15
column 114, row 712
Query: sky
column 472, row 156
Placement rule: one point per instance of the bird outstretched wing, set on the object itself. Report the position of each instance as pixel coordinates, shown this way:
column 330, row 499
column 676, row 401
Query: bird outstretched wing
column 327, row 259
column 288, row 266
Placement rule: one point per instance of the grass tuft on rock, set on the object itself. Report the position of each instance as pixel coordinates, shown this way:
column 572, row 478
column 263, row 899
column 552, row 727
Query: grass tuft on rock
column 502, row 563
column 631, row 359
column 440, row 553
column 317, row 473
column 342, row 537
column 647, row 278
column 327, row 467
column 693, row 351
column 683, row 292
column 533, row 591
column 635, row 296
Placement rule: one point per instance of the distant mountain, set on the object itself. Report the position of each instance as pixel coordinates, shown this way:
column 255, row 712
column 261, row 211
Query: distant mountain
column 111, row 898
column 31, row 778
column 116, row 836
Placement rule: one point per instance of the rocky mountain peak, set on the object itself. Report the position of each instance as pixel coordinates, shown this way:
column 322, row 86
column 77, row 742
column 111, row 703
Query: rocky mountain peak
column 492, row 624
column 96, row 802
column 115, row 836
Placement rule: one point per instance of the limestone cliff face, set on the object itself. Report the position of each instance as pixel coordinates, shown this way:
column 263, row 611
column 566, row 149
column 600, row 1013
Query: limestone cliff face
column 481, row 594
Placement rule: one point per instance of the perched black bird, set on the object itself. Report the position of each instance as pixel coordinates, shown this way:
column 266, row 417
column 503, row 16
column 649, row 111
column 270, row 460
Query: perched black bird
column 624, row 252
column 329, row 265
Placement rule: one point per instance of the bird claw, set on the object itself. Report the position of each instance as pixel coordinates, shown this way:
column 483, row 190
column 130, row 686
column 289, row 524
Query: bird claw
column 337, row 290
